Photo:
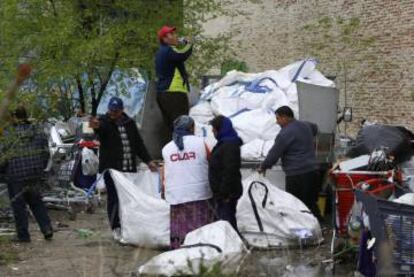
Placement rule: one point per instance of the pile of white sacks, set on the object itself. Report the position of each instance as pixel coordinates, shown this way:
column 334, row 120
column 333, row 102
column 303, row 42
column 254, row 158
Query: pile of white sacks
column 250, row 100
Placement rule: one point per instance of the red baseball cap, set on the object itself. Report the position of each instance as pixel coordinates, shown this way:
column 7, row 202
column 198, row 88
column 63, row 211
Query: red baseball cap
column 165, row 30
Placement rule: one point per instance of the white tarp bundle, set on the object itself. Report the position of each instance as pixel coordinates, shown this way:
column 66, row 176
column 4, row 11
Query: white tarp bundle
column 145, row 217
column 205, row 247
column 250, row 100
column 269, row 217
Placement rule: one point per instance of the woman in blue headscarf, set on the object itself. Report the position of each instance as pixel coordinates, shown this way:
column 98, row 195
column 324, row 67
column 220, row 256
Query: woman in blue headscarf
column 224, row 170
column 186, row 180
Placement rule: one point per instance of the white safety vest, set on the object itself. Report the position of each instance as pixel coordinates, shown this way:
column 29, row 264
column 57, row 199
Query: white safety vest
column 186, row 172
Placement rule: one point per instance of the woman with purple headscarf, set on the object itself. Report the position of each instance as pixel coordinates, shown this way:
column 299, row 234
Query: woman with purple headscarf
column 186, row 180
column 224, row 170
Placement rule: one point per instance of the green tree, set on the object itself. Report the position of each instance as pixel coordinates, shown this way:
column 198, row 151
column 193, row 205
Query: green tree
column 75, row 46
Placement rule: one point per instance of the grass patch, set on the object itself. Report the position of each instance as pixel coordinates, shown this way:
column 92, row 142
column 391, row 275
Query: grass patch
column 8, row 254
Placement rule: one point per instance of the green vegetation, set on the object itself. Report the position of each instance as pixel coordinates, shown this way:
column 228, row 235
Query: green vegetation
column 8, row 254
column 74, row 46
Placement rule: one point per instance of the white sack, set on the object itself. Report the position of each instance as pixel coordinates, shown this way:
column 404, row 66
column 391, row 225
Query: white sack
column 267, row 146
column 284, row 218
column 186, row 261
column 252, row 151
column 256, row 124
column 90, row 162
column 145, row 219
column 202, row 112
column 317, row 78
column 206, row 131
column 274, row 100
column 301, row 69
column 228, row 106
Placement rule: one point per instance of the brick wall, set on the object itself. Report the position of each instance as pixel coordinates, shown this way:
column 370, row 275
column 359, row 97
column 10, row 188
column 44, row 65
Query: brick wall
column 272, row 36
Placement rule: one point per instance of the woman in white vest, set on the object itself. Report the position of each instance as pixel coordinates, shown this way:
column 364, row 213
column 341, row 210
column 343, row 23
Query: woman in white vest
column 186, row 180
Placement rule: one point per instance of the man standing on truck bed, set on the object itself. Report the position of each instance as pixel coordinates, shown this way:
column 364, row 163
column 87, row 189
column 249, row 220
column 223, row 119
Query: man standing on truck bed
column 172, row 77
column 295, row 146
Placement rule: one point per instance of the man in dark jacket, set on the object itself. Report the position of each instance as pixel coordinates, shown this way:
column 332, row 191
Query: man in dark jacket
column 224, row 170
column 25, row 155
column 121, row 143
column 295, row 146
column 172, row 77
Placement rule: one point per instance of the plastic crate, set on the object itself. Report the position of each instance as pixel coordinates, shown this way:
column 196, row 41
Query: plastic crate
column 392, row 223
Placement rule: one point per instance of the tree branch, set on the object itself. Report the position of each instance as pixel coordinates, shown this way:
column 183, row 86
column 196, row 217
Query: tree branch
column 81, row 94
column 104, row 84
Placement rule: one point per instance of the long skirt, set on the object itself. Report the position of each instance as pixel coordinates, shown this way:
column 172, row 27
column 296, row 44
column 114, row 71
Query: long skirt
column 187, row 217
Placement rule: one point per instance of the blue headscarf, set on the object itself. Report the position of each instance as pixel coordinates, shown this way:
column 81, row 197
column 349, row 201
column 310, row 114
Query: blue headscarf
column 182, row 127
column 227, row 132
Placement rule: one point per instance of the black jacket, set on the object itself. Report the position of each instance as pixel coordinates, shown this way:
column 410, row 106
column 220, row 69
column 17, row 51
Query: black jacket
column 110, row 153
column 224, row 170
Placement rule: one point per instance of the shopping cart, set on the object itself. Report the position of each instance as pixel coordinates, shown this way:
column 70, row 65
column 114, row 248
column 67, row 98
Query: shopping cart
column 344, row 184
column 65, row 191
column 392, row 226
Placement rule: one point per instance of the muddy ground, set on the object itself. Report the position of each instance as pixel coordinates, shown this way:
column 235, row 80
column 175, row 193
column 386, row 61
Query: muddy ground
column 84, row 247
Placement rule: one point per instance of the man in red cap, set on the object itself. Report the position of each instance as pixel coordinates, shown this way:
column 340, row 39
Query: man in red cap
column 172, row 78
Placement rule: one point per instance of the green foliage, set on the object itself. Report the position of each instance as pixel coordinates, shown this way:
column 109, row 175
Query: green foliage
column 67, row 41
column 233, row 64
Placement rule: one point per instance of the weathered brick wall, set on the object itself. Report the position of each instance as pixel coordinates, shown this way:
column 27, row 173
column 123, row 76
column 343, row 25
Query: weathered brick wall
column 272, row 36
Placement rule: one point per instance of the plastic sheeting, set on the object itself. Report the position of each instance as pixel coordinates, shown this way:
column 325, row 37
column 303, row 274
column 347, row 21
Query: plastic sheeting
column 130, row 86
column 250, row 100
column 268, row 217
column 393, row 140
column 209, row 245
column 145, row 217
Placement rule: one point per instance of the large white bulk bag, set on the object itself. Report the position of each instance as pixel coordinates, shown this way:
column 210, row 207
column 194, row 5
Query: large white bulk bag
column 268, row 217
column 202, row 112
column 145, row 218
column 228, row 106
column 256, row 124
column 252, row 151
column 209, row 245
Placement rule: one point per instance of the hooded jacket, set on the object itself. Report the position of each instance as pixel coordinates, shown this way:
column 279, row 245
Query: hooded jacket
column 110, row 151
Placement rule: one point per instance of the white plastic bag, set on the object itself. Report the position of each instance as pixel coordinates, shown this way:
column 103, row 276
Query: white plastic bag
column 90, row 162
column 209, row 245
column 145, row 218
column 269, row 217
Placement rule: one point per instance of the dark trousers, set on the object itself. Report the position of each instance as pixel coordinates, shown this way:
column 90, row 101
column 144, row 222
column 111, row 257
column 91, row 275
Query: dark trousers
column 172, row 105
column 20, row 196
column 226, row 210
column 112, row 203
column 305, row 187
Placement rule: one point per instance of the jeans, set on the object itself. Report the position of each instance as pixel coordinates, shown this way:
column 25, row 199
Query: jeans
column 305, row 187
column 226, row 210
column 112, row 204
column 21, row 195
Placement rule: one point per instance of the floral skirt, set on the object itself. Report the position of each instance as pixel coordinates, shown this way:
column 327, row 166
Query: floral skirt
column 187, row 217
